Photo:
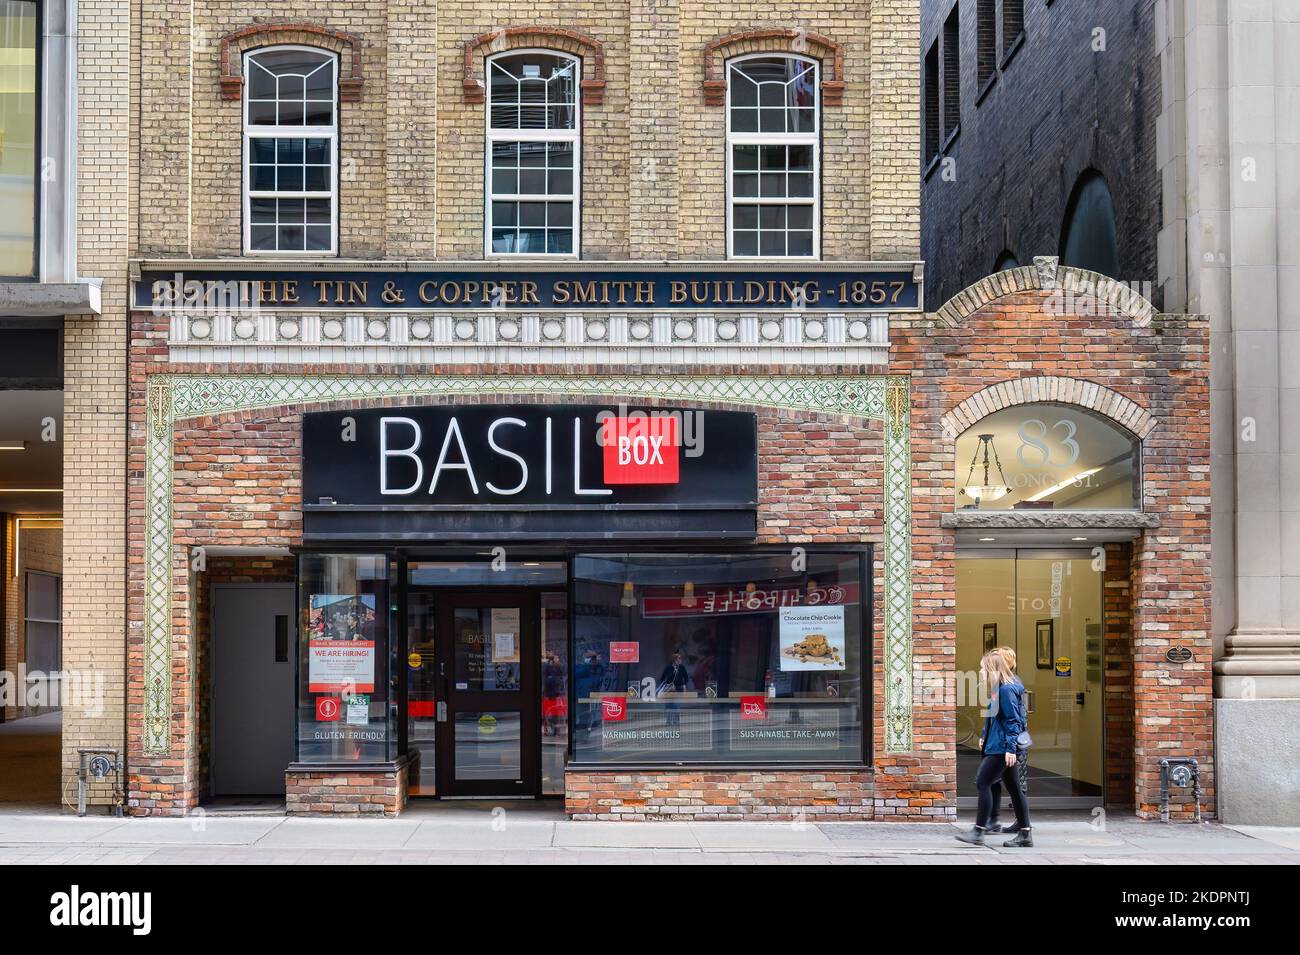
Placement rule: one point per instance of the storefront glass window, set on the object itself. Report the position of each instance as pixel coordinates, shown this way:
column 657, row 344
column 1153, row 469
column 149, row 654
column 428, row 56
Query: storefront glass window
column 18, row 106
column 1047, row 457
column 345, row 711
column 711, row 658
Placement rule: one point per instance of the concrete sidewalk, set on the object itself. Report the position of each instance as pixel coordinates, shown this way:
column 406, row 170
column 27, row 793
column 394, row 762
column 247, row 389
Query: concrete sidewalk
column 539, row 833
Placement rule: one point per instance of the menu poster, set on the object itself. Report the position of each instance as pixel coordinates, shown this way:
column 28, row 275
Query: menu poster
column 812, row 638
column 505, row 634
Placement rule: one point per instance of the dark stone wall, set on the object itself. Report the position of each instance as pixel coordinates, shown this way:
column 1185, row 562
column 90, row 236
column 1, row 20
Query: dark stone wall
column 1054, row 109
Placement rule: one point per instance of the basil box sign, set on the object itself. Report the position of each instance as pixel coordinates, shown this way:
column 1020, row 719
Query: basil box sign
column 479, row 472
column 612, row 287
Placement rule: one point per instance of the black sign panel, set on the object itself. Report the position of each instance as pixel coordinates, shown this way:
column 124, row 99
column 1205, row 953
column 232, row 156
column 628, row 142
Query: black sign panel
column 477, row 472
column 590, row 287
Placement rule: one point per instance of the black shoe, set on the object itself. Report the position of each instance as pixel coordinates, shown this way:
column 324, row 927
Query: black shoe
column 975, row 837
column 1024, row 840
column 995, row 827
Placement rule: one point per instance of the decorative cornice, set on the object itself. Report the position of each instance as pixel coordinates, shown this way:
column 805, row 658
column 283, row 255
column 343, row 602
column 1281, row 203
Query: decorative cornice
column 782, row 39
column 267, row 33
column 1080, row 292
column 536, row 34
column 1052, row 388
column 385, row 337
column 1046, row 519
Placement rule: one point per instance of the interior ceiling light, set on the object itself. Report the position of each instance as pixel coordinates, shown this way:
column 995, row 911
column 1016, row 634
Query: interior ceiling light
column 13, row 445
column 1048, row 492
column 985, row 491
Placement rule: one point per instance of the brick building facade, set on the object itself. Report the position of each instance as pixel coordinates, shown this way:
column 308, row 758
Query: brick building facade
column 859, row 410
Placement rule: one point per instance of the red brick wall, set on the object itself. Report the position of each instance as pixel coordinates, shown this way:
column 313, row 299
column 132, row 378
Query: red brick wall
column 716, row 795
column 1117, row 684
column 350, row 792
column 820, row 480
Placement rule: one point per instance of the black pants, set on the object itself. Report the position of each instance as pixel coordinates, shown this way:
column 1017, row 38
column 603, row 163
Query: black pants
column 993, row 771
column 1022, row 773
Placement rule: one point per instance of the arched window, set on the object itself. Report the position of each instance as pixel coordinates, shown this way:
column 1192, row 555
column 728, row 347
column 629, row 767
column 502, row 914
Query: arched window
column 1048, row 456
column 290, row 151
column 534, row 154
column 1088, row 237
column 773, row 157
column 1006, row 260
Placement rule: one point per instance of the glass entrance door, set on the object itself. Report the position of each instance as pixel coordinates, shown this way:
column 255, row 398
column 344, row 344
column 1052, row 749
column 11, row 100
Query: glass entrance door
column 488, row 668
column 1047, row 606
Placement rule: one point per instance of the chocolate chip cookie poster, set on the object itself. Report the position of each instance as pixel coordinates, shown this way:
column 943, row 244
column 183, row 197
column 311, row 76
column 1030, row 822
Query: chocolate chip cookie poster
column 812, row 638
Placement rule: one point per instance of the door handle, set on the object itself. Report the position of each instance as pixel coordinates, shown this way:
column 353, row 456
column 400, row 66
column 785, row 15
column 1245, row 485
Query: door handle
column 441, row 711
column 1079, row 698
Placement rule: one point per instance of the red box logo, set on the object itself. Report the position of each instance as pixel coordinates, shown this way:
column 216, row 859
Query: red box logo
column 327, row 709
column 753, row 707
column 641, row 450
column 613, row 709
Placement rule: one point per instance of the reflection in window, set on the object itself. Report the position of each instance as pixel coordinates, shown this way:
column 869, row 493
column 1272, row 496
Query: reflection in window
column 718, row 658
column 1088, row 238
column 290, row 133
column 533, row 154
column 343, row 662
column 18, row 106
column 1047, row 456
column 772, row 156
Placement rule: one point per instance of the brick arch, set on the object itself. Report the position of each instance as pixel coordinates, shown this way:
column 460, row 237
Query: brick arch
column 774, row 40
column 562, row 39
column 291, row 33
column 1052, row 388
column 1080, row 291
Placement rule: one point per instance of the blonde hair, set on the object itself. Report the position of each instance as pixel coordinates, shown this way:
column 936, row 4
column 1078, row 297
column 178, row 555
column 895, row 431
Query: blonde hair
column 1007, row 654
column 995, row 669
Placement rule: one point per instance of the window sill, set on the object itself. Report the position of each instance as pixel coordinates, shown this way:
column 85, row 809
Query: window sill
column 952, row 138
column 29, row 299
column 1012, row 50
column 988, row 85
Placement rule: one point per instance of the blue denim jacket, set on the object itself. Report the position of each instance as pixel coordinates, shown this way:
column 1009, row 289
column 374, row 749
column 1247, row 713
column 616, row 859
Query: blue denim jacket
column 1005, row 719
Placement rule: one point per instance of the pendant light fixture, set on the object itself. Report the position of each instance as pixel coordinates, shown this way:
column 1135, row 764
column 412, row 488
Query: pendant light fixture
column 985, row 491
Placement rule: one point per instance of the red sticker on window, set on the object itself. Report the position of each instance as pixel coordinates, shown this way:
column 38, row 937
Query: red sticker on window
column 613, row 709
column 753, row 707
column 327, row 709
column 641, row 450
column 624, row 651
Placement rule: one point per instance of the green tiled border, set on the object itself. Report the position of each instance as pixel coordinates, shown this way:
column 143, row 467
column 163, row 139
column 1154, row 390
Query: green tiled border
column 173, row 398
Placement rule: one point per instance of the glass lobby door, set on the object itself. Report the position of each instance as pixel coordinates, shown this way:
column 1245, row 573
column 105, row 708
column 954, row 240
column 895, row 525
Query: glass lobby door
column 422, row 694
column 1047, row 606
column 489, row 734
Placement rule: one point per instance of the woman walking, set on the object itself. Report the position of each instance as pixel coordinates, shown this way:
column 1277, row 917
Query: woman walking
column 1004, row 724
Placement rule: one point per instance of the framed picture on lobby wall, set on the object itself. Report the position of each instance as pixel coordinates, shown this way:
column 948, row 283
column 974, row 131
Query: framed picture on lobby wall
column 990, row 636
column 1043, row 640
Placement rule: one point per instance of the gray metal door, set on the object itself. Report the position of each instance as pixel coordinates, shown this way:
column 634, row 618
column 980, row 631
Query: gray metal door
column 253, row 641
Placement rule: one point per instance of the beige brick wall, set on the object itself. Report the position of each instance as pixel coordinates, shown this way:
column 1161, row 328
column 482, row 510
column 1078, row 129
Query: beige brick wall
column 411, row 150
column 94, row 419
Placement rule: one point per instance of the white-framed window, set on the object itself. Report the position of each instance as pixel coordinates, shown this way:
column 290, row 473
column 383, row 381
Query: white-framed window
column 290, row 151
column 534, row 154
column 773, row 157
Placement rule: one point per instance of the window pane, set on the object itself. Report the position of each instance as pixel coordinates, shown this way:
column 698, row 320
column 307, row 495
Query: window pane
column 290, row 113
column 262, row 112
column 504, row 115
column 292, row 238
column 744, row 92
column 318, row 210
column 772, row 185
column 800, row 184
column 319, row 113
column 318, row 238
column 320, row 83
column 505, row 154
column 744, row 120
column 800, row 217
column 292, row 210
column 505, row 213
column 803, row 120
column 771, row 217
column 745, row 243
column 560, row 155
column 771, row 243
column 42, row 601
column 346, row 601
column 771, row 121
column 532, row 213
column 503, row 240
column 771, row 94
column 292, row 87
column 744, row 157
column 559, row 181
column 289, row 179
column 800, row 243
column 532, row 181
column 773, row 157
column 532, row 241
column 749, row 663
column 532, row 155
column 532, row 117
column 318, row 179
column 289, row 151
column 559, row 213
column 745, row 217
column 800, row 157
column 1048, row 456
column 559, row 241
column 745, row 184
column 262, row 238
column 505, row 181
column 261, row 178
column 262, row 150
column 261, row 82
column 261, row 210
